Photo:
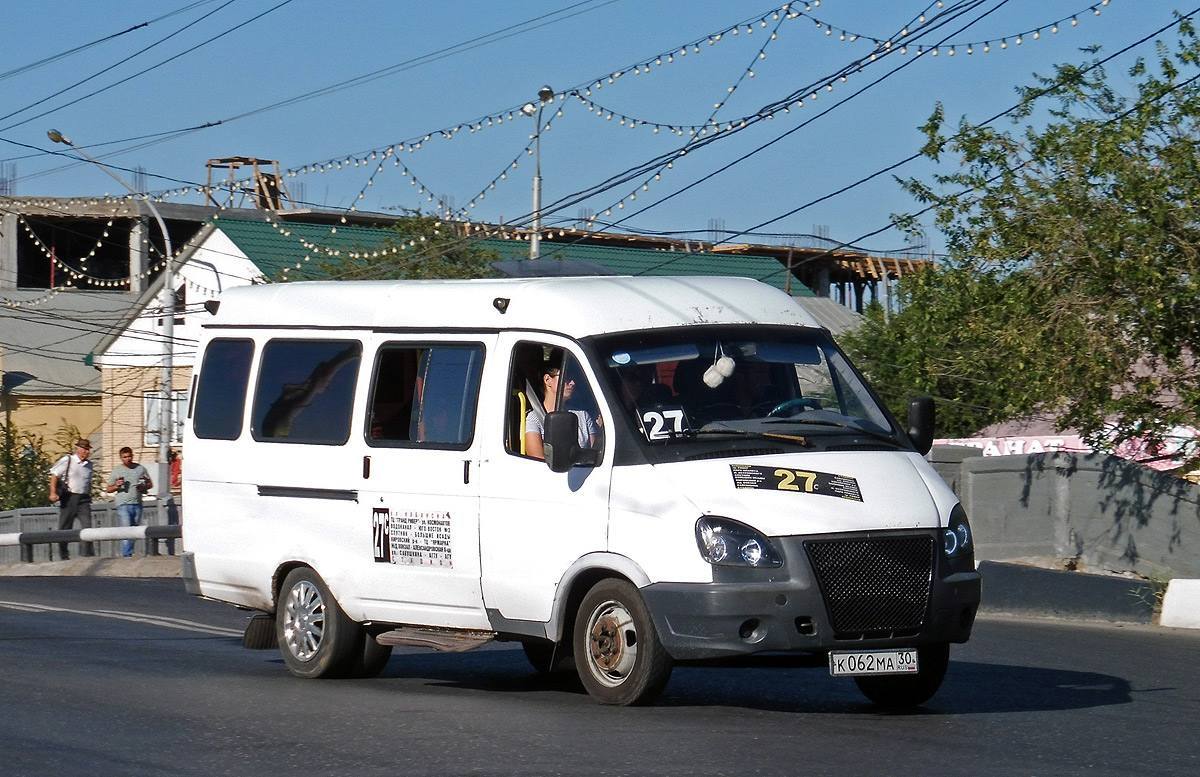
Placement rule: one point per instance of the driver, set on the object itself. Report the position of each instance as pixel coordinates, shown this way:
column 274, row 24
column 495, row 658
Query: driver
column 550, row 377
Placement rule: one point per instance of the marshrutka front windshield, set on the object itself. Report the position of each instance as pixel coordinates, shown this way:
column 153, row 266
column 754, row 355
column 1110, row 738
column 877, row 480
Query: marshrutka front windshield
column 681, row 383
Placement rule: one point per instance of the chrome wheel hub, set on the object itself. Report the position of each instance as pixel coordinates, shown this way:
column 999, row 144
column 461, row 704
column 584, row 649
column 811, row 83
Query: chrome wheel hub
column 304, row 620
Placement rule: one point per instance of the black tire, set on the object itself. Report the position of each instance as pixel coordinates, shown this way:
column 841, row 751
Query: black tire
column 902, row 692
column 371, row 657
column 315, row 637
column 618, row 655
column 541, row 652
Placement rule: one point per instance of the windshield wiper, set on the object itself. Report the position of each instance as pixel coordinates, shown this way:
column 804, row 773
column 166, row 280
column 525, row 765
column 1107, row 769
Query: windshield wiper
column 796, row 438
column 881, row 436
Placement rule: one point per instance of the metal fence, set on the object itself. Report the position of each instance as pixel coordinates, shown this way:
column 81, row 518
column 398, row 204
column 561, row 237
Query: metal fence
column 104, row 515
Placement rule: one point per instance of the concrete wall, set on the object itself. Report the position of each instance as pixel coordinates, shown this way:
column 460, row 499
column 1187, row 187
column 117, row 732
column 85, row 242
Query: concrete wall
column 46, row 415
column 1102, row 511
column 124, row 409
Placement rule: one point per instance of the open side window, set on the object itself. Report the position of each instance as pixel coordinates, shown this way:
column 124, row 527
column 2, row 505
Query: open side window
column 544, row 378
column 424, row 395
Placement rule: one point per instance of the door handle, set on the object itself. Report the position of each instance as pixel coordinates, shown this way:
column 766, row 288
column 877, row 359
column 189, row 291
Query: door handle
column 366, row 467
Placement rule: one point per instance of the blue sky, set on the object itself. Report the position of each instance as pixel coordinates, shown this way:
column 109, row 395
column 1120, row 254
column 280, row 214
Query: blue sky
column 305, row 45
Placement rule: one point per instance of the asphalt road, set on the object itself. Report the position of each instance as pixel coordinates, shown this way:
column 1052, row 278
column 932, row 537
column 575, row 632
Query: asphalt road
column 106, row 676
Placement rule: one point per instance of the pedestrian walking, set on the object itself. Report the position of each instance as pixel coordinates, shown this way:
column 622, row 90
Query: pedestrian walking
column 71, row 487
column 128, row 481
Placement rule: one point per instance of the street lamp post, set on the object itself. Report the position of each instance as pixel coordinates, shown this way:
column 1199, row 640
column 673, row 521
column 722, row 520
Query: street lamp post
column 167, row 298
column 545, row 95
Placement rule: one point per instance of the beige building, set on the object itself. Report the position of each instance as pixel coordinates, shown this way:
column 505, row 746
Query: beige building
column 46, row 342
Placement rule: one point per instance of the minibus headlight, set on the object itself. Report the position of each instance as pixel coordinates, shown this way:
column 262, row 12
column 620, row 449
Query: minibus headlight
column 956, row 537
column 730, row 543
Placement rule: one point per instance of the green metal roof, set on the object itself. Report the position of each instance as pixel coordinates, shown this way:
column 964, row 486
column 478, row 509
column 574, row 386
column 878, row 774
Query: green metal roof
column 641, row 261
column 273, row 252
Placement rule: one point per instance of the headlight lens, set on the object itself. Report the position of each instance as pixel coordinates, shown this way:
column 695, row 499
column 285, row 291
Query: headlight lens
column 956, row 537
column 730, row 543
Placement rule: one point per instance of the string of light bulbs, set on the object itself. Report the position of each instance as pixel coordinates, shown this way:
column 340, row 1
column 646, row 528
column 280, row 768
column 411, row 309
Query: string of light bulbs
column 794, row 100
column 415, row 143
column 340, row 164
column 985, row 46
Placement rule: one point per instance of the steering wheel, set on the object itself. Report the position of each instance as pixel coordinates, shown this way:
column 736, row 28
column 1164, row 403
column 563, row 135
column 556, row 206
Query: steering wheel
column 790, row 407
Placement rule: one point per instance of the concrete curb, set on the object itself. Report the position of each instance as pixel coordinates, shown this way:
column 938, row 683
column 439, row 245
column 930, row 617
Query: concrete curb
column 1181, row 605
column 1016, row 589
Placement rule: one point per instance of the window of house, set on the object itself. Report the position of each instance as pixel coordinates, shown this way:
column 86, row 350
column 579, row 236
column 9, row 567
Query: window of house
column 425, row 395
column 305, row 391
column 221, row 391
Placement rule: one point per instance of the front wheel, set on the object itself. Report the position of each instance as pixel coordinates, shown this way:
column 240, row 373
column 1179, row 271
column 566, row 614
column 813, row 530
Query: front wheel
column 315, row 637
column 901, row 692
column 618, row 655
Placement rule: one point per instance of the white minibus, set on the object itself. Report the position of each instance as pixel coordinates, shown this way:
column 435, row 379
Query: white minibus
column 620, row 473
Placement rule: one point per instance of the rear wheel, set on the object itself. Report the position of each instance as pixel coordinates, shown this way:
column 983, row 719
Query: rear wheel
column 900, row 692
column 618, row 655
column 315, row 637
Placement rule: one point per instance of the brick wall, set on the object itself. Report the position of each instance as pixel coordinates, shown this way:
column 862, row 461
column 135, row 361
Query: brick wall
column 123, row 413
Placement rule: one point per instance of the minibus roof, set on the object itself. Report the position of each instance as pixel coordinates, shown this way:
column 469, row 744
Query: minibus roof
column 577, row 307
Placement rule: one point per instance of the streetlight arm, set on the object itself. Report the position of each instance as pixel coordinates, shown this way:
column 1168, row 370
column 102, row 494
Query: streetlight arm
column 168, row 305
column 58, row 137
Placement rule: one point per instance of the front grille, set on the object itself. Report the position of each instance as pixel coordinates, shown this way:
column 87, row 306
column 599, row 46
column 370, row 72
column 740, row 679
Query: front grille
column 874, row 586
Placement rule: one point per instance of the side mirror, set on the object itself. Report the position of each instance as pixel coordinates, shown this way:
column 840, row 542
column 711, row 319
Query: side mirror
column 560, row 441
column 920, row 423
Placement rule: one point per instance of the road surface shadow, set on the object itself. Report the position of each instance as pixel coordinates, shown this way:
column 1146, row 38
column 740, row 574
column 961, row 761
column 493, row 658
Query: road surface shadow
column 782, row 684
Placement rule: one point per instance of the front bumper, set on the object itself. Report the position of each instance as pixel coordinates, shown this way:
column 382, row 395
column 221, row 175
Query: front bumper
column 783, row 609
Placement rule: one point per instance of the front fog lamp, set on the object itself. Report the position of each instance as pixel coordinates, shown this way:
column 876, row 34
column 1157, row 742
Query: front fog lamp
column 729, row 543
column 956, row 537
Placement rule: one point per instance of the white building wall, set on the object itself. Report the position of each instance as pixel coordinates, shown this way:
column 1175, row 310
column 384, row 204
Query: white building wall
column 216, row 265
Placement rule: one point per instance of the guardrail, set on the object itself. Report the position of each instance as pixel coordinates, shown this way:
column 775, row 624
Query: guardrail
column 26, row 540
column 39, row 522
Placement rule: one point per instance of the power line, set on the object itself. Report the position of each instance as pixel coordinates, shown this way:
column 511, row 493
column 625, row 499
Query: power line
column 399, row 67
column 75, row 50
column 572, row 199
column 140, row 72
column 1025, row 100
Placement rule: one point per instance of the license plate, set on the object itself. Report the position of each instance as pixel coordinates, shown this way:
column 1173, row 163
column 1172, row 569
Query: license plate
column 873, row 662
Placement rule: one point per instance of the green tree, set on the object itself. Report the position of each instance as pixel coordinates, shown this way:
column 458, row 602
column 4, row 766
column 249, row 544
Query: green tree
column 25, row 464
column 432, row 249
column 1075, row 259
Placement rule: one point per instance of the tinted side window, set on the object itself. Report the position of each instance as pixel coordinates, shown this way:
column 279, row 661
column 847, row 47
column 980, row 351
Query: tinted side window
column 425, row 395
column 305, row 391
column 221, row 394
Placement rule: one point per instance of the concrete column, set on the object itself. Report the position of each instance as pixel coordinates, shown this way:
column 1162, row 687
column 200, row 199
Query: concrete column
column 8, row 250
column 139, row 254
column 822, row 280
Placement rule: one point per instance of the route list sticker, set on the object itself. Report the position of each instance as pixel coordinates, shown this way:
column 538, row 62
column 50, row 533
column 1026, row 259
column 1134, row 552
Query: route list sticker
column 419, row 539
column 797, row 480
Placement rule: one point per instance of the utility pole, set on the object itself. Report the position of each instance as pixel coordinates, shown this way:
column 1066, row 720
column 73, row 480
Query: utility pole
column 545, row 95
column 167, row 299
